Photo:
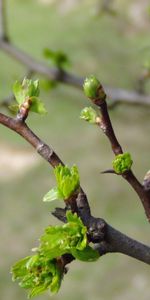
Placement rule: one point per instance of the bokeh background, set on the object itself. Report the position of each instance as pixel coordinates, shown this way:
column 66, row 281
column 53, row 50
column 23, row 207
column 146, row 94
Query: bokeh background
column 114, row 46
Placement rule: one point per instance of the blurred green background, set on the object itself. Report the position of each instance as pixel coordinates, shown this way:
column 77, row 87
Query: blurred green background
column 114, row 47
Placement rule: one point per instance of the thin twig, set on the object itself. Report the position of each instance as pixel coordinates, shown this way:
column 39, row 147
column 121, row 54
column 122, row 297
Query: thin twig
column 108, row 130
column 114, row 94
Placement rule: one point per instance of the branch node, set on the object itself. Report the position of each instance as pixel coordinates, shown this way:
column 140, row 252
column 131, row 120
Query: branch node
column 45, row 151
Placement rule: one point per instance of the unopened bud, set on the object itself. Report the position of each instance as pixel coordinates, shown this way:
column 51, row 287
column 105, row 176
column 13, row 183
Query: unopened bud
column 94, row 90
column 122, row 163
column 91, row 86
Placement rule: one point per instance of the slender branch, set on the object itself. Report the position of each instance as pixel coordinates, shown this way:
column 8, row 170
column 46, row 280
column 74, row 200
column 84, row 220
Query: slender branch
column 106, row 126
column 115, row 94
column 3, row 24
column 98, row 230
column 22, row 129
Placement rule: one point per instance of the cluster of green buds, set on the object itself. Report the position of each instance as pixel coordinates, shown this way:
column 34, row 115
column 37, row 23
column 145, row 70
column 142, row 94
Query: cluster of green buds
column 68, row 182
column 37, row 274
column 44, row 271
column 122, row 163
column 27, row 97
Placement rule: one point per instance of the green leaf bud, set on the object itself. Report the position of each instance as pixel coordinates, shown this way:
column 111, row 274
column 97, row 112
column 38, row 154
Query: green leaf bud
column 41, row 272
column 68, row 182
column 91, row 86
column 27, row 89
column 89, row 114
column 26, row 95
column 122, row 163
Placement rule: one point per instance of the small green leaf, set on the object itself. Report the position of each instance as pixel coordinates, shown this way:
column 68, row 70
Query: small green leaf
column 89, row 114
column 37, row 106
column 18, row 92
column 67, row 180
column 67, row 183
column 19, row 269
column 30, row 87
column 52, row 195
column 28, row 92
column 88, row 254
column 58, row 240
column 36, row 291
column 27, row 89
column 122, row 163
column 58, row 58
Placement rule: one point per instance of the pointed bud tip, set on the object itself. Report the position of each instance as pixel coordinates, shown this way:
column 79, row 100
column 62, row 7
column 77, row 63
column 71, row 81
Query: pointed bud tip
column 91, row 86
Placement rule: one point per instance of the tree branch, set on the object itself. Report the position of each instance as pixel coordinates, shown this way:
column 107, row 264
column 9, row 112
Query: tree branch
column 120, row 243
column 109, row 239
column 115, row 94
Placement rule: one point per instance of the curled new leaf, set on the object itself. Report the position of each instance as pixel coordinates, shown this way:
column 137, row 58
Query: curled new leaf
column 67, row 183
column 26, row 93
column 27, row 89
column 89, row 114
column 122, row 163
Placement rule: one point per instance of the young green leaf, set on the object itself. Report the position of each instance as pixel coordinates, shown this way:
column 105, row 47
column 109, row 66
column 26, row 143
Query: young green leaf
column 58, row 240
column 58, row 58
column 52, row 195
column 89, row 114
column 37, row 106
column 67, row 183
column 28, row 92
column 88, row 254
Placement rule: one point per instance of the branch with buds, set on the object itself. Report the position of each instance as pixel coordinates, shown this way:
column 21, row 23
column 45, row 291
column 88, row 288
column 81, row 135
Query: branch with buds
column 83, row 236
column 123, row 161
